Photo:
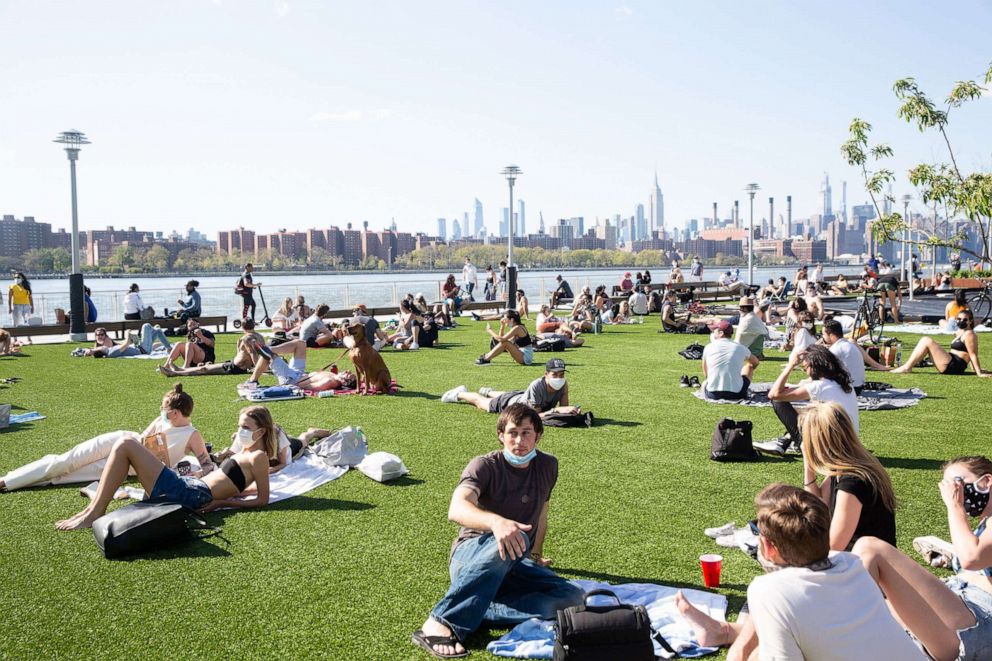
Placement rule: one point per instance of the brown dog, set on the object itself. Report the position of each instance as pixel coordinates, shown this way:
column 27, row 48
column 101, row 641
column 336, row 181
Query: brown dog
column 370, row 368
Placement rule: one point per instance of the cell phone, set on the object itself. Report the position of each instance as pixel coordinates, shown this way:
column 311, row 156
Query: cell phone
column 753, row 525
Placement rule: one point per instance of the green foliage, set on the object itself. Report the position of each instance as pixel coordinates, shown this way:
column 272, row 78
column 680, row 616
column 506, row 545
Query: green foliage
column 349, row 570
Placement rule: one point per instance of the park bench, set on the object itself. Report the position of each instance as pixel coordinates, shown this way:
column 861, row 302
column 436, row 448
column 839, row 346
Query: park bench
column 116, row 327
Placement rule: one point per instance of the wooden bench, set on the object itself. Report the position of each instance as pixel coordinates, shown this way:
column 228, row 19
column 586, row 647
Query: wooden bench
column 387, row 310
column 116, row 327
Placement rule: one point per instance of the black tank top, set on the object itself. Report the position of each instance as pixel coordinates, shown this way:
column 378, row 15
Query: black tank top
column 524, row 340
column 233, row 471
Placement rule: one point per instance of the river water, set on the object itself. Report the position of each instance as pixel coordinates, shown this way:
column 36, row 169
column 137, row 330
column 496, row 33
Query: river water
column 340, row 290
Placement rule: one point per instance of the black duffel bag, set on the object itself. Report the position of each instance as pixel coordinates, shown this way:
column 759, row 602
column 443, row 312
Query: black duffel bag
column 732, row 441
column 146, row 526
column 605, row 633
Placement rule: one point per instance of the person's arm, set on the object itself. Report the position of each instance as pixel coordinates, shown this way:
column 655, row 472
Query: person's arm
column 821, row 491
column 781, row 391
column 537, row 548
column 564, row 396
column 204, row 339
column 971, row 344
column 844, row 520
column 974, row 553
column 199, row 450
column 511, row 536
column 285, row 457
column 871, row 362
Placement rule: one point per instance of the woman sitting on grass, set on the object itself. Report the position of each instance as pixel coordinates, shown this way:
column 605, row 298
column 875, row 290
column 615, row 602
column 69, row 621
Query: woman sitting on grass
column 286, row 317
column 952, row 617
column 840, row 286
column 242, row 481
column 514, row 341
column 964, row 350
column 952, row 310
column 857, row 490
column 8, row 345
column 85, row 462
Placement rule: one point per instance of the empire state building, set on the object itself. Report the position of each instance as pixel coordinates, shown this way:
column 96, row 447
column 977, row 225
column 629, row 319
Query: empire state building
column 657, row 206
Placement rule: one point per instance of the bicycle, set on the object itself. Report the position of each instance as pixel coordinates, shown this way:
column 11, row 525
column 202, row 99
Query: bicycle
column 869, row 318
column 981, row 304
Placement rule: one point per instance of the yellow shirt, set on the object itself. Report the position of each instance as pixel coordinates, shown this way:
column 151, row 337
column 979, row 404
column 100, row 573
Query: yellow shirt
column 19, row 295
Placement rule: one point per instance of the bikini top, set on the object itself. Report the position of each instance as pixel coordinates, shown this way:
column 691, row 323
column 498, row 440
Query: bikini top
column 523, row 341
column 958, row 345
column 233, row 471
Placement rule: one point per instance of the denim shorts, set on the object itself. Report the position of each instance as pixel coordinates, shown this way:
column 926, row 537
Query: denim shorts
column 976, row 641
column 187, row 491
column 528, row 352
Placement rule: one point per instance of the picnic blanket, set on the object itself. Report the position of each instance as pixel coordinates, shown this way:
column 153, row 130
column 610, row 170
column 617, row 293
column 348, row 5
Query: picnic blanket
column 534, row 639
column 869, row 400
column 925, row 329
column 270, row 393
column 393, row 389
column 157, row 354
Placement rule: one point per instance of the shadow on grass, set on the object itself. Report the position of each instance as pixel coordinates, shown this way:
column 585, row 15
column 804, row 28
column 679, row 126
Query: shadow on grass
column 415, row 393
column 616, row 579
column 214, row 546
column 605, row 422
column 914, row 463
column 405, row 481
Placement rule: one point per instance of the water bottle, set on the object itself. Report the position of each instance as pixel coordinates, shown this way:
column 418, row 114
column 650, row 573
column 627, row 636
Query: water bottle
column 898, row 357
column 325, row 393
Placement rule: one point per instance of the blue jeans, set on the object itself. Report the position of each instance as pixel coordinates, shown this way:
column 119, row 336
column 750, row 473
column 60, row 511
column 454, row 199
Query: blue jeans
column 484, row 587
column 148, row 336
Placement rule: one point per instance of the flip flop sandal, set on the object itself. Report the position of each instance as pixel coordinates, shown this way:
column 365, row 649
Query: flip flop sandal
column 427, row 643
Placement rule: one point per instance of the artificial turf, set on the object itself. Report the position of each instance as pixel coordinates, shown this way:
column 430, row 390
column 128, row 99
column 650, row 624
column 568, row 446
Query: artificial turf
column 352, row 568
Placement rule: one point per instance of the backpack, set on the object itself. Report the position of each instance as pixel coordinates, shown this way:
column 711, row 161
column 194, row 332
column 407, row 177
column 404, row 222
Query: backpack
column 732, row 441
column 345, row 447
column 239, row 288
column 556, row 343
column 559, row 419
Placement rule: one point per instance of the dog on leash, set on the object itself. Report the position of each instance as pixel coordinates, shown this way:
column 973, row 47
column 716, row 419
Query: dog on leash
column 370, row 368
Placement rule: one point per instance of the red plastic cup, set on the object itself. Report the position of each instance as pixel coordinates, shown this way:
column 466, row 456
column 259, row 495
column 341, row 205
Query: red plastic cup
column 711, row 564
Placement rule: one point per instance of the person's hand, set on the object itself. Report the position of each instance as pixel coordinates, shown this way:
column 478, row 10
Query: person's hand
column 952, row 492
column 209, row 507
column 511, row 538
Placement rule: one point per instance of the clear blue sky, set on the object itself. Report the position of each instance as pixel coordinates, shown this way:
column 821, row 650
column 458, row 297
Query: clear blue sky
column 298, row 114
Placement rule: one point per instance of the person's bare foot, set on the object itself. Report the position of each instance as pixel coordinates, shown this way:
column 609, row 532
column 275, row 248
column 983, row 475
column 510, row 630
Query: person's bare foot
column 709, row 632
column 434, row 628
column 82, row 520
column 905, row 369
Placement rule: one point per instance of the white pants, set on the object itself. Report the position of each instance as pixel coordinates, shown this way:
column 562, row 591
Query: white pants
column 82, row 463
column 20, row 314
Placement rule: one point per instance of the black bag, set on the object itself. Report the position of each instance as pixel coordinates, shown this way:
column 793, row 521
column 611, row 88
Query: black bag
column 145, row 526
column 556, row 344
column 692, row 352
column 732, row 441
column 561, row 419
column 605, row 633
column 240, row 288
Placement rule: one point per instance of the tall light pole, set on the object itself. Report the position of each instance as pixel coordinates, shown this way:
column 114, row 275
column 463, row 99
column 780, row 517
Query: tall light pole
column 73, row 140
column 751, row 190
column 906, row 267
column 511, row 172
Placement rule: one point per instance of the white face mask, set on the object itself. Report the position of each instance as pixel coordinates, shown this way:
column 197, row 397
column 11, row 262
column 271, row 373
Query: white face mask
column 349, row 342
column 556, row 383
column 246, row 437
column 164, row 417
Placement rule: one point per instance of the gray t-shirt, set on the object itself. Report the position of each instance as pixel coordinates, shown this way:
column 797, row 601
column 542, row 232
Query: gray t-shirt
column 311, row 328
column 514, row 493
column 724, row 361
column 540, row 396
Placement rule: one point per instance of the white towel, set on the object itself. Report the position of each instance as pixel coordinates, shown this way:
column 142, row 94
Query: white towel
column 304, row 474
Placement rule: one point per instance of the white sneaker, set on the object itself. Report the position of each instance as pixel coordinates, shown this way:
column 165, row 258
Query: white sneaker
column 936, row 551
column 451, row 397
column 727, row 541
column 414, row 346
column 485, row 390
column 719, row 531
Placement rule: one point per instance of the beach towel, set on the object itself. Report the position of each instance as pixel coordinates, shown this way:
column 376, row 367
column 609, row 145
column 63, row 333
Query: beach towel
column 393, row 389
column 26, row 417
column 534, row 639
column 925, row 329
column 305, row 474
column 270, row 393
column 157, row 354
column 869, row 400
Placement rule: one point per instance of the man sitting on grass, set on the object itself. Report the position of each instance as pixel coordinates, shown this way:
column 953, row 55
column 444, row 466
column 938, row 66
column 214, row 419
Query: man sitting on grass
column 814, row 603
column 727, row 365
column 851, row 354
column 242, row 363
column 501, row 503
column 545, row 394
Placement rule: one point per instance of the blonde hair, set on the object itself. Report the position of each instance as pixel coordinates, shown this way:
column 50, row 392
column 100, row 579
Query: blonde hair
column 832, row 448
column 287, row 307
column 262, row 418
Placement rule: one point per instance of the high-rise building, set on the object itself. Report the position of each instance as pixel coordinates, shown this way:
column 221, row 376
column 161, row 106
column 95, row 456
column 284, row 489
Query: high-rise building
column 658, row 206
column 860, row 215
column 521, row 219
column 504, row 225
column 442, row 229
column 641, row 224
column 826, row 197
column 540, row 228
column 456, row 229
column 479, row 228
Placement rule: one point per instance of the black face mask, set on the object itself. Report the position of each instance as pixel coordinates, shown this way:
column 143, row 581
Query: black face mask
column 975, row 501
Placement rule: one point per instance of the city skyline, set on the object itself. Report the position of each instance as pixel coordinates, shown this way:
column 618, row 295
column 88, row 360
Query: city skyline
column 305, row 115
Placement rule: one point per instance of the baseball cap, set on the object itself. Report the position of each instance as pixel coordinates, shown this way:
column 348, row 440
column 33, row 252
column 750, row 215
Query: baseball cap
column 626, row 274
column 555, row 365
column 722, row 325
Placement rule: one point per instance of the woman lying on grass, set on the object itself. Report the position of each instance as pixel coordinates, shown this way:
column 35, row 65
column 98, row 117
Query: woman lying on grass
column 242, row 481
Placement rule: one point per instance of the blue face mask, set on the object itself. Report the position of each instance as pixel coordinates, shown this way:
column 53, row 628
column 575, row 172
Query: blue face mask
column 515, row 460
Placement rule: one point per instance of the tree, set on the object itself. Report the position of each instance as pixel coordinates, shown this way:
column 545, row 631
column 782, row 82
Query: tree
column 61, row 260
column 155, row 260
column 940, row 184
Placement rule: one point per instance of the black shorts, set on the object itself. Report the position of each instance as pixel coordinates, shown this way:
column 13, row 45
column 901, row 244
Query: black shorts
column 498, row 404
column 958, row 365
column 231, row 368
column 312, row 343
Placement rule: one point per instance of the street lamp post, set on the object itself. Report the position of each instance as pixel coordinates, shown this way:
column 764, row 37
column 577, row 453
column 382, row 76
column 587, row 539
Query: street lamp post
column 751, row 190
column 907, row 269
column 73, row 140
column 511, row 172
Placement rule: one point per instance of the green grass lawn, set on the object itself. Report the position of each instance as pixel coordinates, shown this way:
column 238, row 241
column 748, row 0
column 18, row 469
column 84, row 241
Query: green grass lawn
column 351, row 569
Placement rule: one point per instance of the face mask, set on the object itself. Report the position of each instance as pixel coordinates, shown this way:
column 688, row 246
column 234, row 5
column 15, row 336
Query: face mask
column 19, row 280
column 246, row 437
column 164, row 417
column 808, row 326
column 349, row 342
column 556, row 384
column 975, row 499
column 514, row 460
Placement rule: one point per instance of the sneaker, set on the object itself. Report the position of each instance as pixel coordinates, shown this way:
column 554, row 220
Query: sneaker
column 476, row 317
column 684, row 381
column 481, row 360
column 694, row 381
column 485, row 390
column 774, row 447
column 451, row 397
column 720, row 531
column 413, row 346
column 936, row 551
column 794, row 449
column 727, row 541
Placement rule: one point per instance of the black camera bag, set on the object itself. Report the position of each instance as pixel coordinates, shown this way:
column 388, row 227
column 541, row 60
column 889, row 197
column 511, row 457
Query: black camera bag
column 605, row 633
column 732, row 441
column 145, row 526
